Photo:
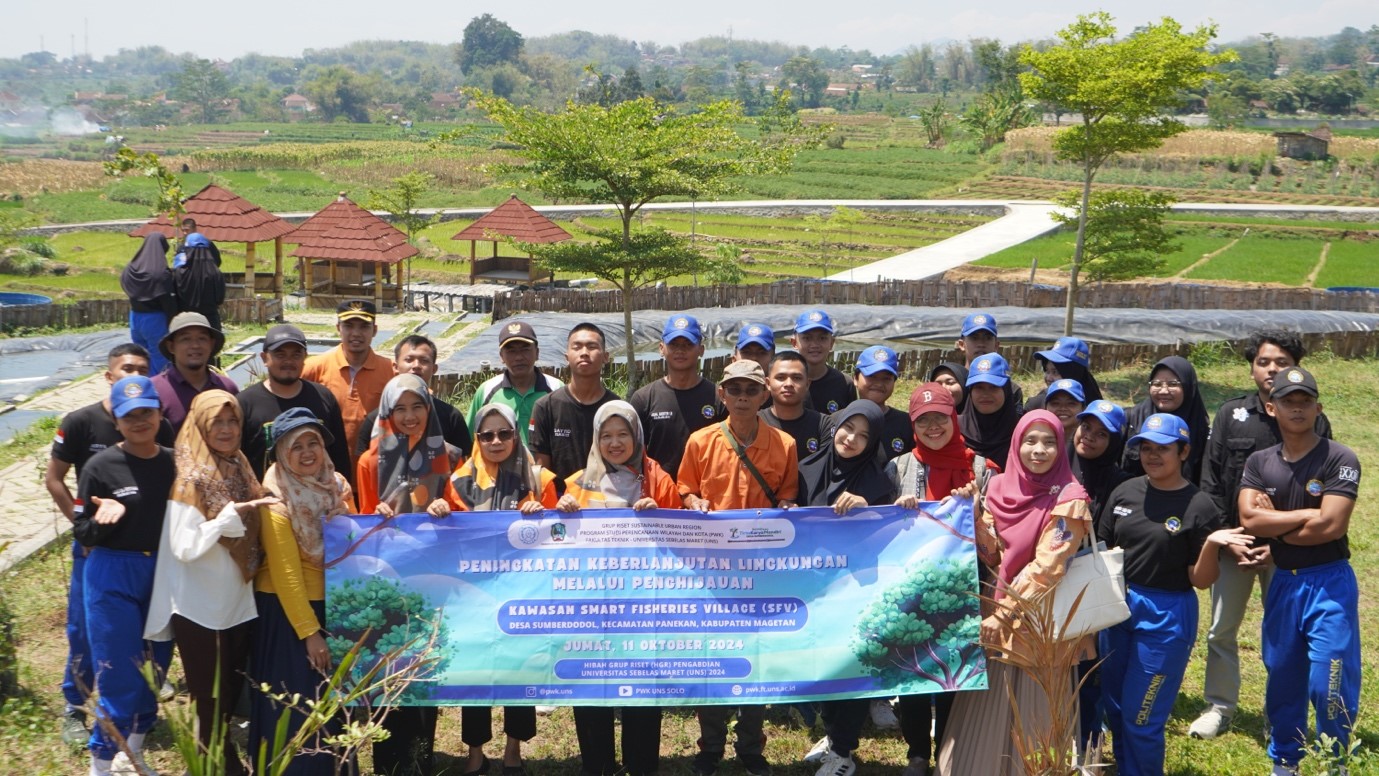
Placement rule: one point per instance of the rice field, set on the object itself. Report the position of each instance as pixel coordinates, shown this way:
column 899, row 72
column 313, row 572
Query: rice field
column 1350, row 263
column 1258, row 259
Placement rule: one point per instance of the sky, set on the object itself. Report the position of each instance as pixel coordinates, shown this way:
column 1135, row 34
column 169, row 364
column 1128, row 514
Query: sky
column 286, row 27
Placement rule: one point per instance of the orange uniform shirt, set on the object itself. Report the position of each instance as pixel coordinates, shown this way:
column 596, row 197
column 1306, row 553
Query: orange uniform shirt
column 366, row 485
column 357, row 397
column 712, row 470
column 659, row 486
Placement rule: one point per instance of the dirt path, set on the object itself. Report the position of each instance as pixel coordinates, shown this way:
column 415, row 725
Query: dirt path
column 1206, row 257
column 1311, row 281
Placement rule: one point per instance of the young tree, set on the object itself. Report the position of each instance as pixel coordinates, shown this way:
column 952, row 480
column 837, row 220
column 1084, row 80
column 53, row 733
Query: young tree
column 402, row 201
column 627, row 155
column 1121, row 89
column 149, row 165
column 1125, row 235
column 936, row 120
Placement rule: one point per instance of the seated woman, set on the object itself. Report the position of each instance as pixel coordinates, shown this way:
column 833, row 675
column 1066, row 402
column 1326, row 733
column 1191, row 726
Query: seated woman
column 501, row 474
column 289, row 647
column 619, row 474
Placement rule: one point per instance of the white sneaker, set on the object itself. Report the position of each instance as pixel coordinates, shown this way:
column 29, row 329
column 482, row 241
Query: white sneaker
column 835, row 764
column 918, row 766
column 1284, row 770
column 167, row 692
column 123, row 765
column 1213, row 722
column 821, row 748
column 882, row 715
column 544, row 710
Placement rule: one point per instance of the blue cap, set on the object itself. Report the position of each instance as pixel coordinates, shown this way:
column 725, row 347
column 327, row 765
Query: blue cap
column 878, row 358
column 1110, row 415
column 756, row 334
column 978, row 321
column 813, row 319
column 131, row 393
column 684, row 327
column 989, row 368
column 1066, row 350
column 292, row 419
column 1071, row 387
column 1162, row 428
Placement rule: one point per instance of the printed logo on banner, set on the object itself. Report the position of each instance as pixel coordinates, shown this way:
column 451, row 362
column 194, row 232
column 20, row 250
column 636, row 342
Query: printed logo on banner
column 737, row 689
column 530, row 692
column 527, row 535
column 624, row 691
column 557, row 532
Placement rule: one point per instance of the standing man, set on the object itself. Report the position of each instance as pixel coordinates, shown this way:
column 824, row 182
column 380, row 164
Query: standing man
column 739, row 463
column 829, row 390
column 284, row 353
column 416, row 354
column 82, row 434
column 562, row 422
column 190, row 345
column 756, row 342
column 788, row 383
column 874, row 377
column 521, row 383
column 680, row 403
column 1299, row 495
column 1241, row 428
column 351, row 371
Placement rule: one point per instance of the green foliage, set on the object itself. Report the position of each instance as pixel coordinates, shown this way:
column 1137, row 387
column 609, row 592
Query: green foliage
column 1125, row 236
column 936, row 121
column 385, row 620
column 201, row 83
column 927, row 624
column 726, row 268
column 645, row 256
column 339, row 93
column 402, row 200
column 487, row 42
column 127, row 161
column 9, row 651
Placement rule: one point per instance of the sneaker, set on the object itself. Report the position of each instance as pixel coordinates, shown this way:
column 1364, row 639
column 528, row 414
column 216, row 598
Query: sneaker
column 74, row 732
column 704, row 765
column 755, row 765
column 918, row 766
column 816, row 754
column 835, row 764
column 167, row 692
column 1213, row 722
column 882, row 715
column 1284, row 770
column 544, row 710
column 123, row 765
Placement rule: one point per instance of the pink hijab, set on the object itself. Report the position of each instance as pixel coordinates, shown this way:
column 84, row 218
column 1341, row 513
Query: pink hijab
column 1021, row 501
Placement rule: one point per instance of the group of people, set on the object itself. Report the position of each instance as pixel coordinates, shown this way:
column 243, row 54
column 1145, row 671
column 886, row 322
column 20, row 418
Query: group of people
column 216, row 544
column 158, row 291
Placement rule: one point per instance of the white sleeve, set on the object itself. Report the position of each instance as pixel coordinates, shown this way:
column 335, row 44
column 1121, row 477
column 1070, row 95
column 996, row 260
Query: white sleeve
column 191, row 535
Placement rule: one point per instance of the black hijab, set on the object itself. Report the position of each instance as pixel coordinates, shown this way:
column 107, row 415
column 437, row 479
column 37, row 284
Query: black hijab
column 1100, row 475
column 958, row 371
column 989, row 435
column 1193, row 412
column 146, row 277
column 200, row 285
column 825, row 475
column 1069, row 370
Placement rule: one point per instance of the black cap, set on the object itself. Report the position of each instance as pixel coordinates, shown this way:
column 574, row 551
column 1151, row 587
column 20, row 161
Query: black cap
column 356, row 308
column 283, row 334
column 291, row 420
column 1294, row 378
column 516, row 331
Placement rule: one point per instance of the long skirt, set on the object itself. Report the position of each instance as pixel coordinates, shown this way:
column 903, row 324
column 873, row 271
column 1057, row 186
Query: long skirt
column 978, row 738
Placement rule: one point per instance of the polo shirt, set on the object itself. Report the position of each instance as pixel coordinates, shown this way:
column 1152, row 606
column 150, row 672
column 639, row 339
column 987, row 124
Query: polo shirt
column 712, row 470
column 1329, row 468
column 357, row 397
column 176, row 394
column 498, row 390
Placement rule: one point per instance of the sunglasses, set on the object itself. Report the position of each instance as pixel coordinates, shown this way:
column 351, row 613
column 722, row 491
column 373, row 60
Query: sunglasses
column 740, row 390
column 501, row 435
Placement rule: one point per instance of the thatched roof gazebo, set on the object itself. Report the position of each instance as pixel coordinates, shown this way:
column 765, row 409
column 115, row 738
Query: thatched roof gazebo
column 347, row 253
column 224, row 216
column 519, row 221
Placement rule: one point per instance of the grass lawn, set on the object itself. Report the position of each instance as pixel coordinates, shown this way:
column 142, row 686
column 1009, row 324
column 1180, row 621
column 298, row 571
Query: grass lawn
column 36, row 592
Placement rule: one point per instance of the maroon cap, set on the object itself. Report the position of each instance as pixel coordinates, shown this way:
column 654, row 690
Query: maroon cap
column 931, row 397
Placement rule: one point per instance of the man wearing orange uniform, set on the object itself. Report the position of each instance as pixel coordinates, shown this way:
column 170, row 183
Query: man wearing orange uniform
column 352, row 371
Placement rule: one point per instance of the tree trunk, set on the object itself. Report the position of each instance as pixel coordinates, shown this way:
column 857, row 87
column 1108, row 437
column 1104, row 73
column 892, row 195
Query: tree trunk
column 1071, row 309
column 631, row 347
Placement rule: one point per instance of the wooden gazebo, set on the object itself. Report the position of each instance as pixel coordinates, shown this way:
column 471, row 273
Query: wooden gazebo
column 517, row 220
column 224, row 216
column 347, row 253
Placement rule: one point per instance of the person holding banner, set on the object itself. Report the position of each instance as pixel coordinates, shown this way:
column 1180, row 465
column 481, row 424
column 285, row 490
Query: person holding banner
column 619, row 473
column 1031, row 522
column 849, row 473
column 289, row 648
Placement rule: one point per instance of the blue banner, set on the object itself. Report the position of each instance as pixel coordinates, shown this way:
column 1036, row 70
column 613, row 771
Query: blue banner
column 664, row 607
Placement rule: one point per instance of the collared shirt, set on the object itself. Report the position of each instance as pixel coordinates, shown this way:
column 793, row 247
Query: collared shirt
column 357, row 395
column 712, row 470
column 498, row 390
column 177, row 394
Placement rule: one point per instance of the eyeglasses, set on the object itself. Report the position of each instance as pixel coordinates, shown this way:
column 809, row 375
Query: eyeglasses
column 501, row 435
column 934, row 422
column 742, row 390
column 1159, row 385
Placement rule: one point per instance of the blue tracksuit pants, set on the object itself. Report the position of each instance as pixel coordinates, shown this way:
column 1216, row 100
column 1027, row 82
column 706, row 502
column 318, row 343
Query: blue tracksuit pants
column 77, row 678
column 1145, row 658
column 1311, row 646
column 119, row 584
column 147, row 330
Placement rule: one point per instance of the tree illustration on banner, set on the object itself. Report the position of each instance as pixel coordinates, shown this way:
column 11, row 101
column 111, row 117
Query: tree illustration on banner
column 397, row 620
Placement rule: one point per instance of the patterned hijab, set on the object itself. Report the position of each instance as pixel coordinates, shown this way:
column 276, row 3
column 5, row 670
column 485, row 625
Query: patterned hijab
column 485, row 487
column 626, row 482
column 410, row 479
column 208, row 480
column 306, row 500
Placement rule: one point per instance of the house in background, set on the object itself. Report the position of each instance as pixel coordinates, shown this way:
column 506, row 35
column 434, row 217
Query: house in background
column 296, row 107
column 1309, row 146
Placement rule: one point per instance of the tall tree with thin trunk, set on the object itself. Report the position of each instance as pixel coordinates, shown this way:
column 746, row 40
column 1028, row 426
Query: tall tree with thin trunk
column 1122, row 89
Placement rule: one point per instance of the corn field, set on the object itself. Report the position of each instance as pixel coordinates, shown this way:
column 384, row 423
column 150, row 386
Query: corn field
column 49, row 176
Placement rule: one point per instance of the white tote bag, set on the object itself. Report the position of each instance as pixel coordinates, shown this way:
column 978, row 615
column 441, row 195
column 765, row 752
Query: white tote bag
column 1100, row 573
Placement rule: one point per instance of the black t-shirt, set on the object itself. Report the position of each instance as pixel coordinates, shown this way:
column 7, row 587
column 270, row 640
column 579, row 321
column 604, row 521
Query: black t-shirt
column 453, row 428
column 670, row 415
column 897, row 435
column 1330, row 468
column 260, row 407
column 142, row 485
column 91, row 429
column 832, row 392
column 563, row 429
column 808, row 430
column 1161, row 531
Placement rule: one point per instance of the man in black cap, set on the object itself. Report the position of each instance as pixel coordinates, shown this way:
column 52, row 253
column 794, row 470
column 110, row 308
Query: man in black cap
column 352, row 371
column 284, row 353
column 416, row 354
column 190, row 345
column 521, row 383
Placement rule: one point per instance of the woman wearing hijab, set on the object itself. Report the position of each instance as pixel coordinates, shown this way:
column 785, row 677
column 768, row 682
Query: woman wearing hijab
column 290, row 653
column 501, row 474
column 992, row 411
column 952, row 376
column 1068, row 359
column 407, row 469
column 203, row 592
column 618, row 473
column 1031, row 521
column 1172, row 389
column 939, row 465
column 847, row 474
column 148, row 283
column 200, row 286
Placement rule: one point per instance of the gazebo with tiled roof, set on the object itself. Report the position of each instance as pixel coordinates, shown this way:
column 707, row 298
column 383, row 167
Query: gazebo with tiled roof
column 348, row 252
column 519, row 221
column 224, row 216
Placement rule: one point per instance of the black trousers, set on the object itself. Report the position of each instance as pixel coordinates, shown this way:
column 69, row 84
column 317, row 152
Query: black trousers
column 411, row 744
column 476, row 723
column 205, row 653
column 915, row 716
column 641, row 740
